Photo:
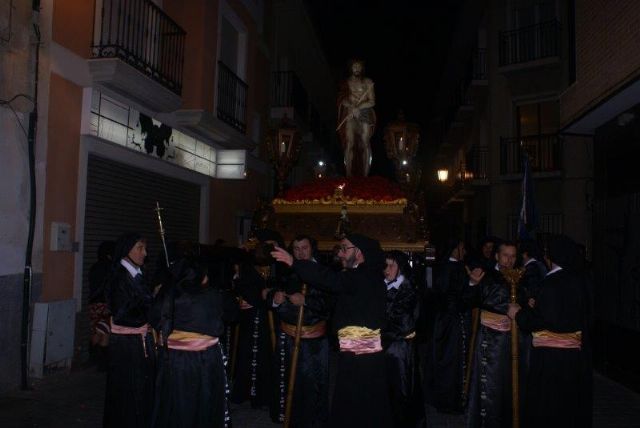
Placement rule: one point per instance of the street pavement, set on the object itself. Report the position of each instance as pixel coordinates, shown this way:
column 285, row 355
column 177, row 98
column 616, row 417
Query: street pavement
column 74, row 399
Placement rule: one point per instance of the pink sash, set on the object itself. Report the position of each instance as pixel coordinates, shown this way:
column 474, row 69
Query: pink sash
column 551, row 339
column 495, row 321
column 367, row 345
column 124, row 330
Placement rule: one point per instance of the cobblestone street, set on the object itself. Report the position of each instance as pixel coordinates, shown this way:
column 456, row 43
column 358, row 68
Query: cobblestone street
column 75, row 399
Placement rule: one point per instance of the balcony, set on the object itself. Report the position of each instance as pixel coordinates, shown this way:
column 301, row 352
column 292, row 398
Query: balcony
column 532, row 43
column 288, row 97
column 477, row 165
column 232, row 99
column 545, row 154
column 138, row 52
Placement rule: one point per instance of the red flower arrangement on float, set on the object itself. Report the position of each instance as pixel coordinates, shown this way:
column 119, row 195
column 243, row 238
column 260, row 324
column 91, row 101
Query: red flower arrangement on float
column 352, row 190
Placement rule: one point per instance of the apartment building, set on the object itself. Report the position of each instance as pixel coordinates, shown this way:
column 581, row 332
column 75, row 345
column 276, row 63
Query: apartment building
column 139, row 102
column 499, row 101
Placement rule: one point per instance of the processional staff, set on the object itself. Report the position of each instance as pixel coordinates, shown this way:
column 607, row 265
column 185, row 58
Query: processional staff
column 158, row 211
column 513, row 277
column 294, row 363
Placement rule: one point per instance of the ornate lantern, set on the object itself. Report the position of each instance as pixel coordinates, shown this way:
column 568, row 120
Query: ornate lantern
column 283, row 145
column 401, row 140
column 443, row 175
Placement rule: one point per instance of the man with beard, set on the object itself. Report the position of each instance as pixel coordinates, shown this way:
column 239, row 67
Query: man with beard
column 361, row 393
column 311, row 388
column 559, row 383
column 490, row 385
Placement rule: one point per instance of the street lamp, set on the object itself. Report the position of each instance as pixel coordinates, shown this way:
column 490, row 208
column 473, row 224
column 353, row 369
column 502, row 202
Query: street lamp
column 283, row 145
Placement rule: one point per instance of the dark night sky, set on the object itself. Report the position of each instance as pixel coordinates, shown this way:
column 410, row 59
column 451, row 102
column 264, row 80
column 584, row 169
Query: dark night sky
column 404, row 45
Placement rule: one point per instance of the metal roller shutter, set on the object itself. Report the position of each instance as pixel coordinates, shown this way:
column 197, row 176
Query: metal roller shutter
column 122, row 198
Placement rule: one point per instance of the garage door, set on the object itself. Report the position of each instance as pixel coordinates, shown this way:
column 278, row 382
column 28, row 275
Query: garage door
column 122, row 198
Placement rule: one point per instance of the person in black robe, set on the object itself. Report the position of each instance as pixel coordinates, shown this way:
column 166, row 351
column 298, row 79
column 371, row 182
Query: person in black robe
column 131, row 367
column 191, row 386
column 361, row 395
column 398, row 342
column 490, row 398
column 534, row 268
column 534, row 272
column 559, row 386
column 484, row 256
column 254, row 348
column 451, row 330
column 99, row 316
column 310, row 404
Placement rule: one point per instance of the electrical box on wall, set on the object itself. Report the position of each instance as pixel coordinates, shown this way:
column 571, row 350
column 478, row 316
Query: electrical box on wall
column 61, row 237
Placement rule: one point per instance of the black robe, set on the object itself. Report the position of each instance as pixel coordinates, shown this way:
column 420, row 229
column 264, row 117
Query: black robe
column 534, row 273
column 361, row 397
column 489, row 401
column 451, row 337
column 559, row 388
column 400, row 354
column 252, row 370
column 191, row 386
column 131, row 366
column 311, row 390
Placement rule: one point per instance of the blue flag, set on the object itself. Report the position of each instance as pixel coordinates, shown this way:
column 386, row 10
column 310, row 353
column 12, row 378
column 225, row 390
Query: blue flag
column 528, row 214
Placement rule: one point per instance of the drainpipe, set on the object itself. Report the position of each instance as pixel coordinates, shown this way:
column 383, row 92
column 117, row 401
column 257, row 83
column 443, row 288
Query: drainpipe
column 28, row 271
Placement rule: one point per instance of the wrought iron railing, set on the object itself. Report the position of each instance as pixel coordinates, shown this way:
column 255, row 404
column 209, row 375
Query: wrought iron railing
column 287, row 91
column 477, row 159
column 232, row 98
column 544, row 151
column 530, row 43
column 479, row 64
column 141, row 34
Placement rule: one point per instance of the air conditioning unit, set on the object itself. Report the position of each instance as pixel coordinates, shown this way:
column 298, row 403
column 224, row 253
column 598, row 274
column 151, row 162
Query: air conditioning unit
column 52, row 336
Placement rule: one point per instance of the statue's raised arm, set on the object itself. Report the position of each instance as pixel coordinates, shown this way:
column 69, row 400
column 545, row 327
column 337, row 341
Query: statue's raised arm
column 356, row 119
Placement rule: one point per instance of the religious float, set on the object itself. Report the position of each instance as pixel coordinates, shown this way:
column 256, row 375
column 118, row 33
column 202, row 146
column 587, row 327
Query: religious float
column 329, row 208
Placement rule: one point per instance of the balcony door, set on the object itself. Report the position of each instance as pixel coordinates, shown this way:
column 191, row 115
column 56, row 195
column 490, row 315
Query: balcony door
column 537, row 127
column 534, row 39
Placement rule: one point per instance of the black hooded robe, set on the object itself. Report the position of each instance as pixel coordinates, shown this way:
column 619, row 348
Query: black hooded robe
column 361, row 397
column 559, row 386
column 489, row 401
column 451, row 337
column 131, row 365
column 400, row 353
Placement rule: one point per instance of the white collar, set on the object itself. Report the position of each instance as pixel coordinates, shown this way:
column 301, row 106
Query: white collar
column 395, row 283
column 453, row 259
column 497, row 267
column 133, row 270
column 531, row 260
column 554, row 269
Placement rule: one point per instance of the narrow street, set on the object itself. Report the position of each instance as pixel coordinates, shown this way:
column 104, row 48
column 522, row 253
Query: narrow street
column 75, row 399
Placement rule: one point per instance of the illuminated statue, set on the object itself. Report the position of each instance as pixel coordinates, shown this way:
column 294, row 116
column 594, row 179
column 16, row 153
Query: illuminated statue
column 356, row 120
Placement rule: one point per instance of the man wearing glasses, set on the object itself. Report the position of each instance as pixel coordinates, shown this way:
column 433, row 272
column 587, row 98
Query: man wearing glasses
column 361, row 392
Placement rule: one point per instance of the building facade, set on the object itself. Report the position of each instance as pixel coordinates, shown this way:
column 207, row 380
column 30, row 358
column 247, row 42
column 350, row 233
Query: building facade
column 500, row 100
column 602, row 108
column 139, row 102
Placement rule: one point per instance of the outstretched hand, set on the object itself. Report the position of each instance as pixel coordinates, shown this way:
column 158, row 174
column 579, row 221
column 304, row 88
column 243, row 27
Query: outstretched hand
column 281, row 255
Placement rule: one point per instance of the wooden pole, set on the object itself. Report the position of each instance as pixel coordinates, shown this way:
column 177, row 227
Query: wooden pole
column 513, row 277
column 475, row 320
column 272, row 330
column 293, row 366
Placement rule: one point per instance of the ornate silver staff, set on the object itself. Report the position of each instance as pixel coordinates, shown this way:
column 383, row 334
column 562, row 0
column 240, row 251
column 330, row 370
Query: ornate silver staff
column 161, row 230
